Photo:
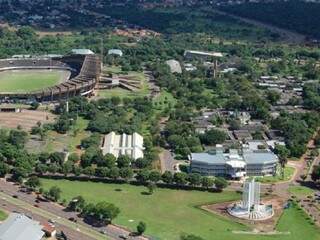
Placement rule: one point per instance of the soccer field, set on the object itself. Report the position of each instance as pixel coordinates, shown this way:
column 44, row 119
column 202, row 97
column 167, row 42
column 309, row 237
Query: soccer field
column 18, row 81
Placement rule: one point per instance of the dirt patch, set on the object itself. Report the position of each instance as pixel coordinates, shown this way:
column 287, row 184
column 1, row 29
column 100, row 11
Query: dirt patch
column 268, row 225
column 26, row 119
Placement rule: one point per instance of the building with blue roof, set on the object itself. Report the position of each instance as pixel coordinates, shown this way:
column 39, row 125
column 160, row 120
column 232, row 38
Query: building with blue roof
column 235, row 163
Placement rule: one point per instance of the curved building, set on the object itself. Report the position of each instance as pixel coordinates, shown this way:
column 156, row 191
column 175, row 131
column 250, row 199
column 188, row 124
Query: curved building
column 234, row 164
column 84, row 68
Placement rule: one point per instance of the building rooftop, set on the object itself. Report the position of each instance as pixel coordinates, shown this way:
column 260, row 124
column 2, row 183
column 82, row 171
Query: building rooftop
column 234, row 157
column 123, row 144
column 20, row 227
column 202, row 53
column 115, row 52
column 82, row 51
column 174, row 66
column 260, row 157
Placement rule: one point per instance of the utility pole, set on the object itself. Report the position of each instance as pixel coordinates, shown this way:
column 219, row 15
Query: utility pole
column 101, row 52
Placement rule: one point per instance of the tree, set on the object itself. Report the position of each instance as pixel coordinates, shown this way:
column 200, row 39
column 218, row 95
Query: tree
column 18, row 138
column 234, row 124
column 73, row 157
column 126, row 173
column 4, row 169
column 151, row 187
column 103, row 212
column 54, row 193
column 33, row 182
column 143, row 175
column 110, row 160
column 123, row 161
column 90, row 171
column 92, row 141
column 114, row 173
column 141, row 228
column 283, row 154
column 34, row 105
column 62, row 125
column 220, row 183
column 213, row 137
column 66, row 168
column 167, row 177
column 180, row 178
column 76, row 204
column 154, row 176
column 273, row 96
column 194, row 179
column 207, row 182
column 315, row 175
column 141, row 163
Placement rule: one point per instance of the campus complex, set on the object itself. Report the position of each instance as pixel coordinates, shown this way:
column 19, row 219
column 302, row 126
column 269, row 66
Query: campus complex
column 235, row 163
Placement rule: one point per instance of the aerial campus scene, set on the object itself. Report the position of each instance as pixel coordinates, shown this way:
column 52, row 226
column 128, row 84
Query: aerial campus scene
column 159, row 120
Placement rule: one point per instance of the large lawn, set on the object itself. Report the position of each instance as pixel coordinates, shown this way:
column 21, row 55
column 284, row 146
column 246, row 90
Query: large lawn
column 3, row 215
column 29, row 80
column 168, row 213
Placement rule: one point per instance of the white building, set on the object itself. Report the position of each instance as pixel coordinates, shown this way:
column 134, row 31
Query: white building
column 20, row 227
column 123, row 144
column 116, row 52
column 174, row 66
column 235, row 163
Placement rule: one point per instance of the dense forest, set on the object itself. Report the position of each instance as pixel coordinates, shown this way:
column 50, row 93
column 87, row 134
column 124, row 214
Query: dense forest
column 299, row 16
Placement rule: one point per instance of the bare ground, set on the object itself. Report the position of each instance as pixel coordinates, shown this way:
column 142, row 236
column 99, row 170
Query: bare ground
column 259, row 226
column 26, row 119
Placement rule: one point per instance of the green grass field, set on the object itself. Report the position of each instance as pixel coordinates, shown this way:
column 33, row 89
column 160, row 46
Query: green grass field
column 29, row 80
column 288, row 173
column 301, row 191
column 170, row 213
column 164, row 100
column 3, row 215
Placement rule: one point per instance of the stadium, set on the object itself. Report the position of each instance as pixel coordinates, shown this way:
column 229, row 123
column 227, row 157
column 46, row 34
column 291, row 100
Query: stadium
column 49, row 78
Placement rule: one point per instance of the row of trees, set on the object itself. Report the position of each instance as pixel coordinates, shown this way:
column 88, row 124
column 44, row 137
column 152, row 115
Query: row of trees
column 297, row 129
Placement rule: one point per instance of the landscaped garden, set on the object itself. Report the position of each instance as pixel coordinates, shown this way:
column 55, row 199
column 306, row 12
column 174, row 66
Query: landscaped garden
column 170, row 213
column 123, row 93
column 288, row 173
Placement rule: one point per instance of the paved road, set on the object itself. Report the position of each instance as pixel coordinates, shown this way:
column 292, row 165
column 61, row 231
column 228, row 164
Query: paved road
column 54, row 211
column 287, row 35
column 167, row 161
column 71, row 233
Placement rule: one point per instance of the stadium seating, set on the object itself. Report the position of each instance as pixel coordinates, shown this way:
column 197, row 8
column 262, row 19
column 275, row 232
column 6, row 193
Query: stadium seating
column 85, row 72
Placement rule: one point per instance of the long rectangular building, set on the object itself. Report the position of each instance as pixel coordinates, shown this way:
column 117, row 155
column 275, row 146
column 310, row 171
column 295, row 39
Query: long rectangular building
column 123, row 144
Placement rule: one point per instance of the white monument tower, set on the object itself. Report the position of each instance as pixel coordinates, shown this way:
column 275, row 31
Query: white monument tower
column 250, row 207
column 251, row 194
